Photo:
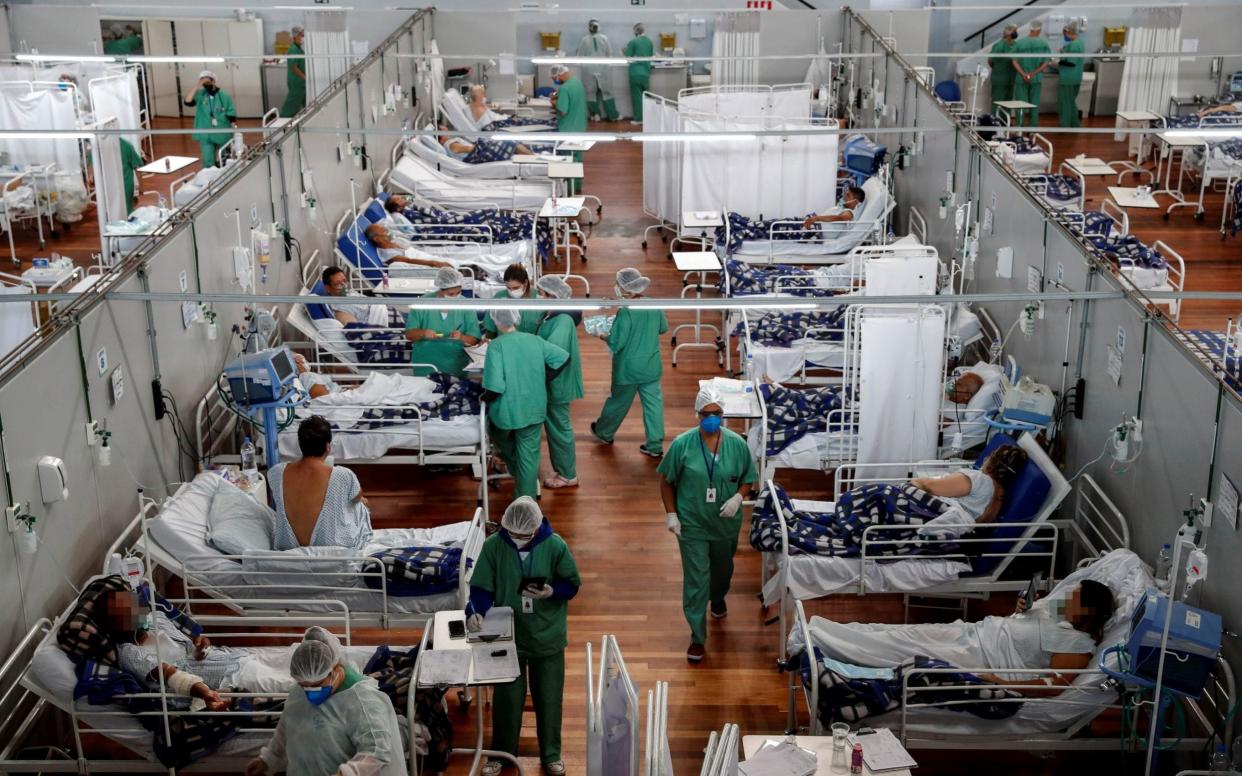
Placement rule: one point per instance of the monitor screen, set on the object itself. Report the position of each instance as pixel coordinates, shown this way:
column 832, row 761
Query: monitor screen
column 282, row 362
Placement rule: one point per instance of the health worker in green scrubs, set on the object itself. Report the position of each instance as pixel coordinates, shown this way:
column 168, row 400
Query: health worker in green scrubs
column 214, row 114
column 1030, row 68
column 441, row 337
column 707, row 473
column 561, row 329
column 636, row 367
column 640, row 72
column 517, row 286
column 570, row 106
column 529, row 568
column 1069, row 70
column 295, row 77
column 515, row 387
column 1002, row 67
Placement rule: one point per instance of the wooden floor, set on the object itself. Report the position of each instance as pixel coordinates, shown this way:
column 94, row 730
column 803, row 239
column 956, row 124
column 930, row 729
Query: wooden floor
column 614, row 522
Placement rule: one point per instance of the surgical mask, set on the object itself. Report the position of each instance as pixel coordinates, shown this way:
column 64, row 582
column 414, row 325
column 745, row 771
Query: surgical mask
column 318, row 695
column 522, row 543
column 1067, row 38
column 710, row 423
column 950, row 386
column 518, row 292
column 211, row 88
column 144, row 622
column 594, row 28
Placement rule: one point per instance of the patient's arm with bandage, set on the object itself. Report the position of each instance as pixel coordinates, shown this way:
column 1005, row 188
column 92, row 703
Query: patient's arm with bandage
column 1054, row 681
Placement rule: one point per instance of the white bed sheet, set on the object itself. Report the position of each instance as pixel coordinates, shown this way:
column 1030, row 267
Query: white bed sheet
column 433, row 434
column 180, row 533
column 505, row 169
column 785, row 363
column 415, row 177
column 1147, row 279
column 808, row 452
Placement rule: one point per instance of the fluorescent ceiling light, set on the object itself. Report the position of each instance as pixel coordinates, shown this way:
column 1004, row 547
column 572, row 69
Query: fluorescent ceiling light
column 558, row 137
column 693, row 138
column 312, row 8
column 45, row 135
column 63, row 58
column 176, row 60
column 610, row 61
column 771, row 304
column 1206, row 133
column 494, row 304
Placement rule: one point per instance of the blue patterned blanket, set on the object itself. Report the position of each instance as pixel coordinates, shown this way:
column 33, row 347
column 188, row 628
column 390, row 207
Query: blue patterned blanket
column 846, row 699
column 782, row 329
column 455, row 397
column 742, row 228
column 488, row 149
column 792, row 414
column 1228, row 366
column 373, row 345
column 1062, row 188
column 505, row 226
column 746, row 279
column 1235, row 223
column 840, row 533
column 418, row 571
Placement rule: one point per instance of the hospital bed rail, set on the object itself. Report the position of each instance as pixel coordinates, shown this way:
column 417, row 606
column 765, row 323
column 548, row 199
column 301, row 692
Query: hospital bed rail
column 30, row 706
column 1037, row 182
column 869, row 232
column 1212, row 166
column 612, row 669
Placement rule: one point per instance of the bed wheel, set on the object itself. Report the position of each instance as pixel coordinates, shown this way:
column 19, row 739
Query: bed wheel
column 674, row 341
column 1166, row 215
column 663, row 235
column 644, row 245
column 599, row 211
column 464, row 699
column 669, row 257
column 1199, row 216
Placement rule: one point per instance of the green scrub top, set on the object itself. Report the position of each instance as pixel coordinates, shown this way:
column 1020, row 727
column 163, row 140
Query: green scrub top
column 209, row 108
column 514, row 369
column 500, row 570
column 131, row 160
column 447, row 354
column 530, row 318
column 639, row 46
column 566, row 386
column 1031, row 45
column 123, row 46
column 1070, row 68
column 635, row 345
column 685, row 467
column 1002, row 67
column 292, row 79
column 571, row 107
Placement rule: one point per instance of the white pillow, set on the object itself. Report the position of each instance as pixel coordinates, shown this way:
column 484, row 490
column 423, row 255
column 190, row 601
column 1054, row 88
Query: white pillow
column 236, row 522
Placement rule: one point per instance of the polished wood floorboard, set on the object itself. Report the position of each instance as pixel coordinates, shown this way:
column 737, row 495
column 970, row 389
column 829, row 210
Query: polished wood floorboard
column 614, row 521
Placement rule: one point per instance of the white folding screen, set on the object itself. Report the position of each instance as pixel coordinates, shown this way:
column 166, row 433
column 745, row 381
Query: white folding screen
column 1148, row 82
column 327, row 50
column 47, row 109
column 661, row 161
column 735, row 48
column 110, row 202
column 116, row 96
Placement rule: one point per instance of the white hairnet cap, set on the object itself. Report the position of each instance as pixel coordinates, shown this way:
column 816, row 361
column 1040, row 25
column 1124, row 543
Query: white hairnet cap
column 448, row 277
column 632, row 281
column 207, row 74
column 707, row 395
column 296, row 31
column 555, row 286
column 316, row 633
column 117, row 29
column 523, row 516
column 313, row 660
column 593, row 21
column 559, row 70
column 506, row 318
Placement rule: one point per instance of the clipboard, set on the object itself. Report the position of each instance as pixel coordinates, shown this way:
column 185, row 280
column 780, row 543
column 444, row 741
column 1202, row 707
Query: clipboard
column 882, row 751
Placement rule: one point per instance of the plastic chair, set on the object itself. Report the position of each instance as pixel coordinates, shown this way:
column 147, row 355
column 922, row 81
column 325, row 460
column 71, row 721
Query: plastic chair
column 949, row 91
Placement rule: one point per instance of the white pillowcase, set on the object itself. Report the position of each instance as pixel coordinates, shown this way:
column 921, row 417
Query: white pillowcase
column 236, row 522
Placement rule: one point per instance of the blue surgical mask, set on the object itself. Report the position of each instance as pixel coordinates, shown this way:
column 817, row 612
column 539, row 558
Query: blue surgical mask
column 317, row 695
column 710, row 423
column 1067, row 38
column 950, row 385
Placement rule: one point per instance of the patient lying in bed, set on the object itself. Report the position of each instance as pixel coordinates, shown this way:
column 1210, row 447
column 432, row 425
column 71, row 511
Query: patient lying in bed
column 1056, row 635
column 322, row 504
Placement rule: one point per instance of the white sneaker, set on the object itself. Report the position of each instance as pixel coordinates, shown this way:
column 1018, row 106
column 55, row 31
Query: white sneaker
column 555, row 769
column 636, row 123
column 492, row 768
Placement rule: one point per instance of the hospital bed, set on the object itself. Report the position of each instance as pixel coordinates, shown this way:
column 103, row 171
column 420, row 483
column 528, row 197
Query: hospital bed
column 173, row 537
column 1214, row 161
column 18, row 322
column 844, row 436
column 825, row 244
column 1022, row 529
column 19, row 203
column 1220, row 350
column 453, row 106
column 1149, row 268
column 429, row 149
column 38, row 680
column 1060, row 722
column 966, row 426
column 185, row 189
column 1022, row 156
column 483, row 244
column 740, row 279
column 1064, row 189
column 412, row 174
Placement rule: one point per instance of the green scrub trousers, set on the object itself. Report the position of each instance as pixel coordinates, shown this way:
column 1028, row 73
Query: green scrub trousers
column 208, row 150
column 295, row 99
column 520, row 450
column 1067, row 105
column 640, row 72
column 620, row 398
column 706, row 571
column 546, row 677
column 1027, row 92
column 1002, row 73
column 560, row 432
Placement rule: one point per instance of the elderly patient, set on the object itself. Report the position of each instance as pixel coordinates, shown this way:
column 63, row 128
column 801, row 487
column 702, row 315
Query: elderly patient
column 1055, row 634
column 392, row 250
column 192, row 667
column 317, row 504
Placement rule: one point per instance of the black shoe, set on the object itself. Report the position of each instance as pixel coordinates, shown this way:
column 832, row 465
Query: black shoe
column 719, row 610
column 599, row 438
column 648, row 451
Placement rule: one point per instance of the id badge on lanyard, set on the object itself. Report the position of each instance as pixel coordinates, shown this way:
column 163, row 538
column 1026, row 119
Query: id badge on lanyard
column 709, row 463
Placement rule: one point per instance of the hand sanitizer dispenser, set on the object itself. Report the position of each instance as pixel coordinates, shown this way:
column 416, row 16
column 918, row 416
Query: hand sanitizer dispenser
column 53, row 482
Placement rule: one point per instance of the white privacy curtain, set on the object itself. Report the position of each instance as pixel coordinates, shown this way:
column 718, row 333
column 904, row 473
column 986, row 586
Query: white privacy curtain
column 16, row 323
column 116, row 96
column 109, row 181
column 327, row 50
column 662, row 161
column 899, row 387
column 43, row 109
column 1148, row 82
column 735, row 48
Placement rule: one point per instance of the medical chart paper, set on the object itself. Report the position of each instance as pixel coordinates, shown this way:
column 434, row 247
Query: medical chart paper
column 495, row 662
column 444, row 667
column 497, row 624
column 882, row 751
column 778, row 758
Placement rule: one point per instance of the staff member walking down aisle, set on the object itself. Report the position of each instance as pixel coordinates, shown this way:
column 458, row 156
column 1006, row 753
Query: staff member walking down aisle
column 515, row 375
column 640, row 72
column 636, row 367
column 213, row 108
column 529, row 568
column 561, row 329
column 707, row 474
